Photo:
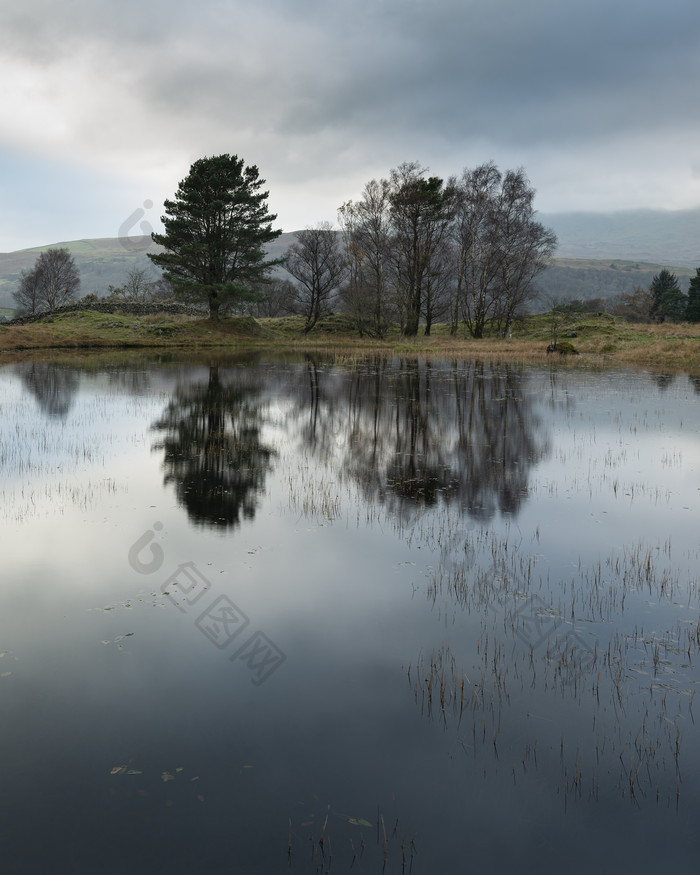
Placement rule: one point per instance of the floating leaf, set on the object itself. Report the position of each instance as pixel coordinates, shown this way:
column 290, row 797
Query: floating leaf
column 118, row 770
column 179, row 769
column 359, row 821
column 134, row 772
column 166, row 776
column 5, row 674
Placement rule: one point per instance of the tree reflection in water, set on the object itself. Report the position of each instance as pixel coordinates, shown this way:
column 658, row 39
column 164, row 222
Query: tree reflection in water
column 213, row 450
column 54, row 386
column 412, row 433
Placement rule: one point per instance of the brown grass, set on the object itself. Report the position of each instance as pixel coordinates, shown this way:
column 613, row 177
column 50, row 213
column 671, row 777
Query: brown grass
column 599, row 339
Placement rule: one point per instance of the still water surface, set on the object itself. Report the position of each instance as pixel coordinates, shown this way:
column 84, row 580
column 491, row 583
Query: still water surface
column 395, row 616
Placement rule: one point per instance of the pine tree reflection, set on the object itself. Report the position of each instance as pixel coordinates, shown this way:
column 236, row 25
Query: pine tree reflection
column 213, row 450
column 54, row 386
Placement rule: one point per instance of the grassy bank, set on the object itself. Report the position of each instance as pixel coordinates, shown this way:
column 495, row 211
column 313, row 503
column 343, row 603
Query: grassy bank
column 595, row 337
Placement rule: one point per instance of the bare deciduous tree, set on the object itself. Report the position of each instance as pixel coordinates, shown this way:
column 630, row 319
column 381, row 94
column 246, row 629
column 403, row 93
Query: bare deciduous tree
column 556, row 313
column 440, row 284
column 476, row 236
column 58, row 277
column 319, row 266
column 421, row 213
column 27, row 295
column 137, row 288
column 162, row 290
column 502, row 248
column 279, row 300
column 53, row 281
column 366, row 232
column 634, row 307
column 525, row 247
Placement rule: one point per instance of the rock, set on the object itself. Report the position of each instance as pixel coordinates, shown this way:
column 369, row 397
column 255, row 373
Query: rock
column 563, row 347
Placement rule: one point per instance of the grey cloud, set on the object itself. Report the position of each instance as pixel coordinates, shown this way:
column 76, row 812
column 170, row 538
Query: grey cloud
column 500, row 69
column 315, row 90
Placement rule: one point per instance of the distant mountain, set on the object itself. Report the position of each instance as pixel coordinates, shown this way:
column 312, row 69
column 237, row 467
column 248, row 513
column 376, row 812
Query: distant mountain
column 599, row 255
column 655, row 236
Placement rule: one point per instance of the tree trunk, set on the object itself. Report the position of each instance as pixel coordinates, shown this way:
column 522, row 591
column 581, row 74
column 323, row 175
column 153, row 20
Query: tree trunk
column 214, row 306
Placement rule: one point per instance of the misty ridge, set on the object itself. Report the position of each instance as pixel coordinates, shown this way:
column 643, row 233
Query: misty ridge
column 598, row 255
column 667, row 237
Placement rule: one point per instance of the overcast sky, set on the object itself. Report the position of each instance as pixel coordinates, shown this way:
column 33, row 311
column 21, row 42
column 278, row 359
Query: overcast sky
column 106, row 104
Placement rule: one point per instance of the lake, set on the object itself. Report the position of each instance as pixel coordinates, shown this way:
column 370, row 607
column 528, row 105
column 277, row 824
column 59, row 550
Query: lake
column 267, row 615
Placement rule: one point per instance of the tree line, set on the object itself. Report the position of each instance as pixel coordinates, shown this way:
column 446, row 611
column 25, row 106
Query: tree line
column 414, row 250
column 666, row 301
column 663, row 301
column 417, row 249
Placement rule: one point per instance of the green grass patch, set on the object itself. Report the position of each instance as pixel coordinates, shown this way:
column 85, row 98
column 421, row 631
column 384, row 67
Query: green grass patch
column 595, row 335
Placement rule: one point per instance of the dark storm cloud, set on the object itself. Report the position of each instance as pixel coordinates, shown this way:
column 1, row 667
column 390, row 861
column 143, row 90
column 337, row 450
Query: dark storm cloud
column 511, row 70
column 503, row 68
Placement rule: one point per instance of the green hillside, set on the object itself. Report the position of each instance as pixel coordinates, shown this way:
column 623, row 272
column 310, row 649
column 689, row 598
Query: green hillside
column 105, row 261
column 101, row 262
column 585, row 278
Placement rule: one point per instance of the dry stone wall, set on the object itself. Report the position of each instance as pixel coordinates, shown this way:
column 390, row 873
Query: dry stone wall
column 173, row 308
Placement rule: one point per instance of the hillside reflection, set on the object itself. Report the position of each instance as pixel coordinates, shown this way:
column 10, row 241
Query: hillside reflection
column 213, row 452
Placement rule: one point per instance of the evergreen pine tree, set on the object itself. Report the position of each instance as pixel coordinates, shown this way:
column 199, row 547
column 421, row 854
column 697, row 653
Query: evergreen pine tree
column 216, row 229
column 668, row 301
column 692, row 313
